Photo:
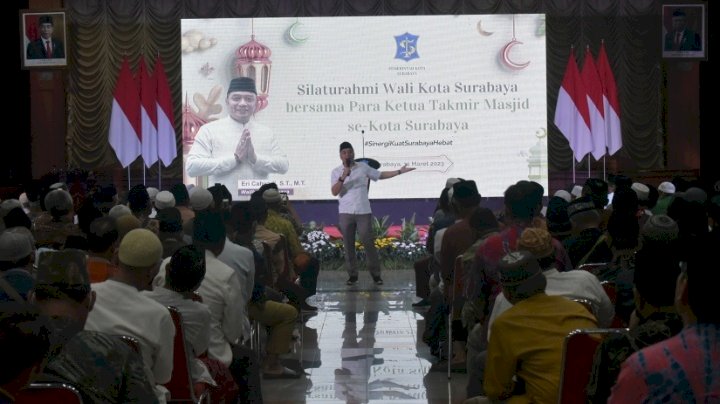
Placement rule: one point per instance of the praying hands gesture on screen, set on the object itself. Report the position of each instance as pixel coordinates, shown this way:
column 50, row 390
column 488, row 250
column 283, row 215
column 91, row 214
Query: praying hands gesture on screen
column 244, row 151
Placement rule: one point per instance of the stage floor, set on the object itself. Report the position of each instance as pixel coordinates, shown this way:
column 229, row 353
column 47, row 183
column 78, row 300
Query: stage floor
column 364, row 346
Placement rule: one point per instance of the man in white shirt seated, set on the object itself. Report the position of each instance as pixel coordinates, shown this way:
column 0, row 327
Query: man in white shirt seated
column 183, row 276
column 121, row 309
column 575, row 284
column 222, row 293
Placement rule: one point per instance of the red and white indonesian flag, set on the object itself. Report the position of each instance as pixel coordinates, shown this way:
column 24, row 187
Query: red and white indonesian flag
column 167, row 145
column 613, row 132
column 148, row 115
column 572, row 116
column 125, row 131
column 591, row 80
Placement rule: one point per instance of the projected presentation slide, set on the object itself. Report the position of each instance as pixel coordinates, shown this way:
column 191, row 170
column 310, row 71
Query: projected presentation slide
column 453, row 96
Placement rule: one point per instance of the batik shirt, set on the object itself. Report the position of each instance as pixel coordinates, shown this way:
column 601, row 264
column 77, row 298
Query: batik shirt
column 682, row 369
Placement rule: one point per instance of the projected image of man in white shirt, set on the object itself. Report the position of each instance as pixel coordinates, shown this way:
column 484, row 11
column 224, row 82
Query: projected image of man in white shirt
column 236, row 147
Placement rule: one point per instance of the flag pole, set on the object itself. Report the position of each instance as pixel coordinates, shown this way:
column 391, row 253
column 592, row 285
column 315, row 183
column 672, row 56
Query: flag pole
column 602, row 44
column 128, row 167
column 588, row 166
column 157, row 56
column 573, row 166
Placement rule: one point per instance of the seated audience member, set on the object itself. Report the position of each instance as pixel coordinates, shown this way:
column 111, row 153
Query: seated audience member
column 285, row 209
column 200, row 200
column 277, row 316
column 126, row 224
column 558, row 222
column 457, row 239
column 16, row 254
column 686, row 367
column 51, row 229
column 615, row 183
column 24, row 344
column 102, row 243
column 597, row 190
column 586, row 244
column 689, row 210
column 484, row 224
column 306, row 266
column 426, row 267
column 653, row 320
column 5, row 207
column 103, row 367
column 182, row 201
column 141, row 207
column 283, row 276
column 104, row 198
column 520, row 209
column 527, row 340
column 221, row 292
column 666, row 193
column 119, row 210
column 659, row 233
column 183, row 275
column 643, row 193
column 170, row 230
column 16, row 217
column 120, row 308
column 164, row 200
column 233, row 255
column 152, row 193
column 32, row 205
column 242, row 232
column 86, row 215
column 576, row 284
column 449, row 243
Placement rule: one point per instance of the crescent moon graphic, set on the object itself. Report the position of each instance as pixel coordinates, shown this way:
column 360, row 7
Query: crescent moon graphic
column 506, row 56
column 541, row 133
column 293, row 36
column 482, row 31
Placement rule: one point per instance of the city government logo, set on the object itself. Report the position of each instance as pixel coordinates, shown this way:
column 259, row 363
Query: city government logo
column 406, row 47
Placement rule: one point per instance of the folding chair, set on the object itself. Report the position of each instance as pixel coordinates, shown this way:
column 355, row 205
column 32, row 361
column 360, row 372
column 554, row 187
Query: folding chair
column 256, row 336
column 610, row 290
column 577, row 360
column 181, row 385
column 41, row 393
column 587, row 304
column 593, row 267
column 132, row 342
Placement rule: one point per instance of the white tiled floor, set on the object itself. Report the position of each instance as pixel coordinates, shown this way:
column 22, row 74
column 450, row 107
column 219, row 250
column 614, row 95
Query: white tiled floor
column 363, row 347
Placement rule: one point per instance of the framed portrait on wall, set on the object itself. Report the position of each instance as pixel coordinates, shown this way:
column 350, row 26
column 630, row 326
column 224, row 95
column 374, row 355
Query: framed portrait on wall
column 684, row 27
column 43, row 39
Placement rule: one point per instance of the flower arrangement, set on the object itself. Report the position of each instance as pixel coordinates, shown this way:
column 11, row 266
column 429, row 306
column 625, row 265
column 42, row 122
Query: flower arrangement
column 394, row 252
column 319, row 244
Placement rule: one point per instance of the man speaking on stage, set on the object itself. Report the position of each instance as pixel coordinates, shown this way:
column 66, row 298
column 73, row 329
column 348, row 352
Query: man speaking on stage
column 349, row 182
column 236, row 147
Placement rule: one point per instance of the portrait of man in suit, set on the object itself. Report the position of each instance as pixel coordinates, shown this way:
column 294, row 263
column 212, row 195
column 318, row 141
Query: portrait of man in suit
column 46, row 46
column 682, row 37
